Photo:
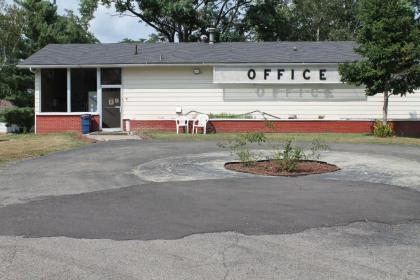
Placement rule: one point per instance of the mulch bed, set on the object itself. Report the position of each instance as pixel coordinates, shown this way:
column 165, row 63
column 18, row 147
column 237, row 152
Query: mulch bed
column 269, row 168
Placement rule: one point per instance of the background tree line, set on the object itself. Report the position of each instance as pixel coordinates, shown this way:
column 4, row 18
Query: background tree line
column 239, row 20
column 28, row 25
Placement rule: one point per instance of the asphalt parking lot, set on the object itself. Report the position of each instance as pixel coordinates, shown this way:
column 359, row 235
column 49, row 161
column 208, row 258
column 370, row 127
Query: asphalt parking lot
column 168, row 210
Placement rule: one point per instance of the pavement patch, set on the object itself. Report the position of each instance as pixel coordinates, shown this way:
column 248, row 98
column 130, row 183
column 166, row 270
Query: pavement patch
column 253, row 206
column 359, row 250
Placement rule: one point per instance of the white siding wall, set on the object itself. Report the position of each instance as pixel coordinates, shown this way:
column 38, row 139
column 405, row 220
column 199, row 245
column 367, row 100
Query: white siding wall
column 152, row 93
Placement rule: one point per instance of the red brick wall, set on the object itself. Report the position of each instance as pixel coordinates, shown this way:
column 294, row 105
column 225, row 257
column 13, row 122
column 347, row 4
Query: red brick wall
column 277, row 126
column 403, row 128
column 407, row 128
column 63, row 123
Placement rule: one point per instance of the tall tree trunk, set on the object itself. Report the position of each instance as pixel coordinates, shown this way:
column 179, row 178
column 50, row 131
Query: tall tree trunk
column 317, row 34
column 385, row 109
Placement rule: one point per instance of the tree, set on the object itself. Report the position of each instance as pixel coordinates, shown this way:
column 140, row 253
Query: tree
column 43, row 25
column 184, row 20
column 11, row 26
column 319, row 20
column 26, row 27
column 389, row 43
column 153, row 38
column 302, row 20
column 271, row 20
column 13, row 82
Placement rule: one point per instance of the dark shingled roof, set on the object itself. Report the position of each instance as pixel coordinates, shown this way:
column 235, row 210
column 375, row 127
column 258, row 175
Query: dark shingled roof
column 193, row 53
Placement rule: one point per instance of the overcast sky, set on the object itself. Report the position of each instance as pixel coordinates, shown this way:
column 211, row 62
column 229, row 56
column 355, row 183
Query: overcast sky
column 107, row 25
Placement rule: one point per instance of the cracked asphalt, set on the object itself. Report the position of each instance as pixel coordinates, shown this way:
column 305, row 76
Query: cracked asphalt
column 101, row 212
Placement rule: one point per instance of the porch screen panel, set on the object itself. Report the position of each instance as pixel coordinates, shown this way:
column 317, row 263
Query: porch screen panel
column 83, row 90
column 53, row 90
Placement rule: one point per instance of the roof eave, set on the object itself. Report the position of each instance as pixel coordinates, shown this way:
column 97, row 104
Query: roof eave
column 36, row 66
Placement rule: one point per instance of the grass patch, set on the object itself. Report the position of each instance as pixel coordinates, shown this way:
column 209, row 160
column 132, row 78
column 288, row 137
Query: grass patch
column 14, row 147
column 305, row 137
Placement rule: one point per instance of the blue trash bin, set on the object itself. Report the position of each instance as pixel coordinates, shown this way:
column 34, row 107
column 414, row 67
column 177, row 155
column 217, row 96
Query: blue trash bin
column 85, row 123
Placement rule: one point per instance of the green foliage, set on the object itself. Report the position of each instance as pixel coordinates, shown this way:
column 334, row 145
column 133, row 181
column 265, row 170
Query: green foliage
column 320, row 20
column 11, row 26
column 270, row 125
column 271, row 20
column 316, row 146
column 308, row 20
column 389, row 42
column 288, row 156
column 382, row 130
column 229, row 116
column 153, row 38
column 22, row 117
column 26, row 27
column 43, row 25
column 185, row 20
column 240, row 147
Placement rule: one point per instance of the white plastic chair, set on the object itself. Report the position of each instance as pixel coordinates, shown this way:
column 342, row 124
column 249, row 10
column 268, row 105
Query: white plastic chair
column 181, row 121
column 200, row 122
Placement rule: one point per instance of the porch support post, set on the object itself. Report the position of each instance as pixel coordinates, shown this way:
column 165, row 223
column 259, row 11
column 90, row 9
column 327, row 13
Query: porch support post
column 99, row 96
column 68, row 90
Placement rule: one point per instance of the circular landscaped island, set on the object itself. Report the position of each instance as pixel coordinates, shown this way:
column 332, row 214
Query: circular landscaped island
column 271, row 168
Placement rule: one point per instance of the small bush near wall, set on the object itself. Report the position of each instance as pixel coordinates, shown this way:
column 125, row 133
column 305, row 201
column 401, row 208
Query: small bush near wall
column 230, row 116
column 22, row 117
column 382, row 130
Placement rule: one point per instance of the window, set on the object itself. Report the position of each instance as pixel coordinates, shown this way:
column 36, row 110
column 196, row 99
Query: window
column 83, row 90
column 54, row 90
column 111, row 76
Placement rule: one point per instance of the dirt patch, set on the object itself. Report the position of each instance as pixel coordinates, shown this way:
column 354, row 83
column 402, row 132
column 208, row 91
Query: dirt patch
column 85, row 139
column 269, row 168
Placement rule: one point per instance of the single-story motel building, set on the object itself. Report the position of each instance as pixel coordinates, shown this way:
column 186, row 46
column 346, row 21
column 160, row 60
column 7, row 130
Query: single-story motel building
column 292, row 86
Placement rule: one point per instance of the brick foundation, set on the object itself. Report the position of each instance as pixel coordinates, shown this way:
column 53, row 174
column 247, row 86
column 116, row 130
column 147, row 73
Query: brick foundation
column 407, row 128
column 63, row 123
column 71, row 123
column 403, row 128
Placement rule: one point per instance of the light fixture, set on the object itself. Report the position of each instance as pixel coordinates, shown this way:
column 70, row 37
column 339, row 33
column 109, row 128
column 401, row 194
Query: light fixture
column 196, row 71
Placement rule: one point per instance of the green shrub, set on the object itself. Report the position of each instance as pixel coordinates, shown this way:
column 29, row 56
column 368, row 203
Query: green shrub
column 287, row 157
column 269, row 124
column 22, row 117
column 382, row 130
column 2, row 119
column 240, row 147
column 316, row 147
column 230, row 116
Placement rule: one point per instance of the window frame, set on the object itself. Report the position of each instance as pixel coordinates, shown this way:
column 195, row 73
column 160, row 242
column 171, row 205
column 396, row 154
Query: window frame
column 99, row 88
column 71, row 96
column 68, row 112
column 41, row 112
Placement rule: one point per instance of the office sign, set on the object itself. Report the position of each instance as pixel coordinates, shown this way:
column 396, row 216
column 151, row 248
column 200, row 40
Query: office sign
column 276, row 75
